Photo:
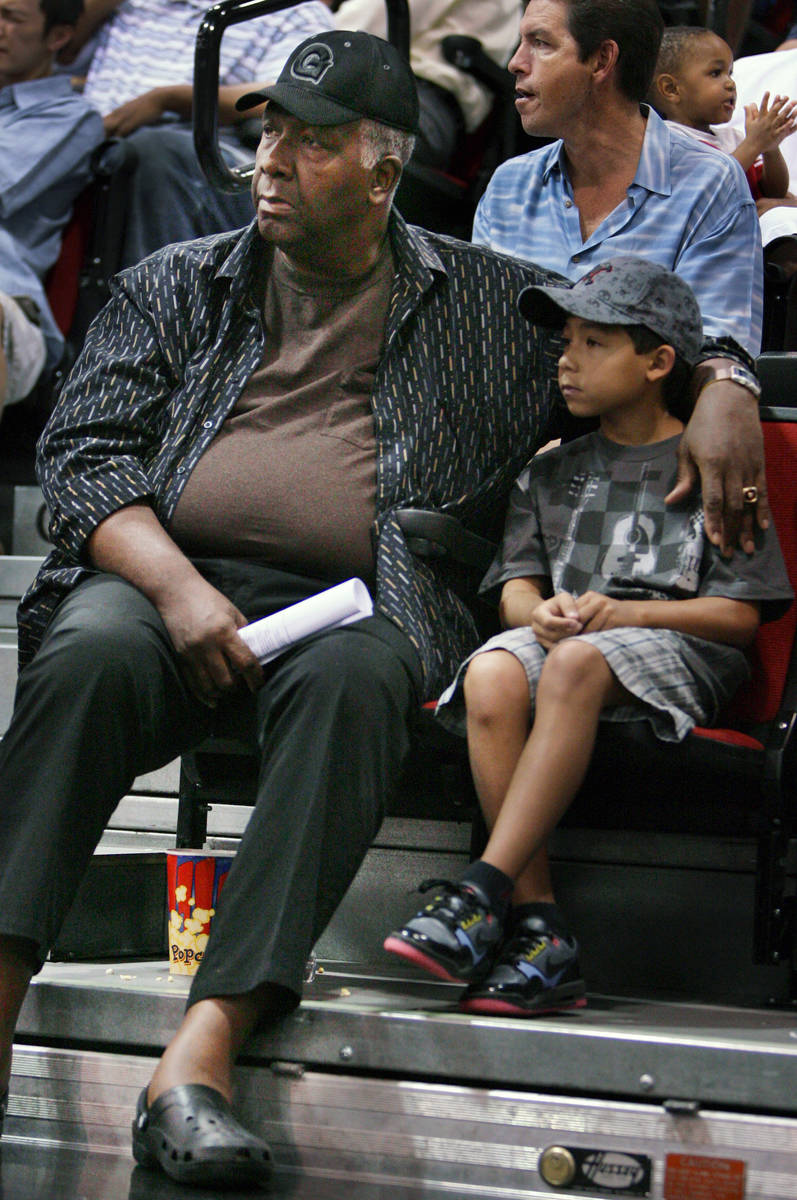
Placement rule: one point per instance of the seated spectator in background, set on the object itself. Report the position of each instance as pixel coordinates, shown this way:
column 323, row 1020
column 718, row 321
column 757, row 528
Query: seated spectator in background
column 620, row 180
column 693, row 88
column 452, row 102
column 47, row 134
column 140, row 80
column 616, row 608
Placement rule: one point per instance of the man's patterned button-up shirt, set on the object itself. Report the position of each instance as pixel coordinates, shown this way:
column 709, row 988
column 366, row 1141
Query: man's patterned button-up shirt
column 463, row 394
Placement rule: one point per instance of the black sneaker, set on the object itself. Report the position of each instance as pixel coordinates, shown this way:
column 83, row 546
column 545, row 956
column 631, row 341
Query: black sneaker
column 454, row 936
column 536, row 971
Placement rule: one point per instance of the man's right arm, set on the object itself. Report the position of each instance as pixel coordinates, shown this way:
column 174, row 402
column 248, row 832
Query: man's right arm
column 93, row 465
column 201, row 622
column 151, row 106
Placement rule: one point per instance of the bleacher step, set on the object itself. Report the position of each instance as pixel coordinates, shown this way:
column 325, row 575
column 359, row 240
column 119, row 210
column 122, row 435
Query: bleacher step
column 377, row 1082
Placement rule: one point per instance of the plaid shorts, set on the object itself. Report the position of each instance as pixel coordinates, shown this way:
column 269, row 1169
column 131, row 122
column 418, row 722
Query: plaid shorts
column 677, row 680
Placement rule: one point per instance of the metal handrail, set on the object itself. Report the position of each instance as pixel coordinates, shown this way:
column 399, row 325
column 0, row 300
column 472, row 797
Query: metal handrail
column 206, row 78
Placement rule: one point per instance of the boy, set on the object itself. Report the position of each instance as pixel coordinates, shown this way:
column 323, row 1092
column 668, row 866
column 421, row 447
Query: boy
column 615, row 607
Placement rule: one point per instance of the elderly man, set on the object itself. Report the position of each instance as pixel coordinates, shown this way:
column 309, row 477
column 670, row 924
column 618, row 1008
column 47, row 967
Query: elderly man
column 618, row 180
column 249, row 415
column 47, row 134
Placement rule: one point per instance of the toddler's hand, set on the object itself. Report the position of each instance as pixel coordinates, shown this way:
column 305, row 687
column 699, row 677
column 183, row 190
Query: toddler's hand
column 555, row 619
column 768, row 125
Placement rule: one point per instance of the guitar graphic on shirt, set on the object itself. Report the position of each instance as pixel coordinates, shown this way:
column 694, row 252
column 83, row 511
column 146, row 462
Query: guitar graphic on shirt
column 631, row 552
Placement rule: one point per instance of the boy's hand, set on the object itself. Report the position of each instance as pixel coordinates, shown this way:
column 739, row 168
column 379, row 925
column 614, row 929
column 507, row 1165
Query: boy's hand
column 767, row 126
column 597, row 612
column 555, row 619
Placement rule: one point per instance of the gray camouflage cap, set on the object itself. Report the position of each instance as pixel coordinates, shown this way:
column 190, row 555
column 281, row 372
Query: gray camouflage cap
column 623, row 291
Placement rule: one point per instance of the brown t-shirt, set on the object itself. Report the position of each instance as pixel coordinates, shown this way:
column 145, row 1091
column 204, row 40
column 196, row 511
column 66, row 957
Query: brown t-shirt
column 291, row 476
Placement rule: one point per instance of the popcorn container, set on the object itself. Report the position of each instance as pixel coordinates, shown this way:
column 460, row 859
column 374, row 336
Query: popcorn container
column 194, row 883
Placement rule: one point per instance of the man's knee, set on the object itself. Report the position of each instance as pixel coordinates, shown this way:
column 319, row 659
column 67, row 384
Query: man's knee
column 161, row 151
column 347, row 682
column 105, row 628
column 22, row 351
column 359, row 668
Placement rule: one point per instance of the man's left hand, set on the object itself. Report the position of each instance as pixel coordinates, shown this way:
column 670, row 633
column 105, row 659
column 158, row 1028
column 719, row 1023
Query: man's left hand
column 722, row 448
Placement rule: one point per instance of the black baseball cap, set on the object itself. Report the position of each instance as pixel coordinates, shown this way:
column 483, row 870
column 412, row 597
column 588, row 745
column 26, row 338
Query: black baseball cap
column 341, row 76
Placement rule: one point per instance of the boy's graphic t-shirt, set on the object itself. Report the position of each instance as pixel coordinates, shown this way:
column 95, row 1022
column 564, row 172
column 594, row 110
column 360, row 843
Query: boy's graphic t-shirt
column 591, row 516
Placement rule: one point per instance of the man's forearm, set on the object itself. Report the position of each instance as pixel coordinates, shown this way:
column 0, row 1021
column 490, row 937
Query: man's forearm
column 774, row 175
column 132, row 543
column 179, row 98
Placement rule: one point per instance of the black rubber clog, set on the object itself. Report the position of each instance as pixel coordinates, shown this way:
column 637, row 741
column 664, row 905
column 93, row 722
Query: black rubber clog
column 192, row 1135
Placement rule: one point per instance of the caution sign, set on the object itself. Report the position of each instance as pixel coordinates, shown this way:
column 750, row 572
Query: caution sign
column 699, row 1177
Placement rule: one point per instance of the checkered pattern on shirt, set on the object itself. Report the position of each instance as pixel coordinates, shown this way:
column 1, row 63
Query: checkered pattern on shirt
column 591, row 516
column 602, row 526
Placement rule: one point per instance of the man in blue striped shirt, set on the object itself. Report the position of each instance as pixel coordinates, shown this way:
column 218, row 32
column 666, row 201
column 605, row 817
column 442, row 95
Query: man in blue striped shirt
column 618, row 180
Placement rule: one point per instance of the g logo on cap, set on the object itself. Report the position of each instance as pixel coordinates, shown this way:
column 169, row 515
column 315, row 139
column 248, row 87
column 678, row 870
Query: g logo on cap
column 313, row 63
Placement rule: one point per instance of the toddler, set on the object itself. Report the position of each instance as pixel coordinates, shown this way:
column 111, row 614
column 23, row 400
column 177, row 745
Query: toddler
column 693, row 87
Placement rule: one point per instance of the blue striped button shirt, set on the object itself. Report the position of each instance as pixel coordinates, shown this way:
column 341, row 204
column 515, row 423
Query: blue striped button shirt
column 151, row 43
column 689, row 208
column 463, row 393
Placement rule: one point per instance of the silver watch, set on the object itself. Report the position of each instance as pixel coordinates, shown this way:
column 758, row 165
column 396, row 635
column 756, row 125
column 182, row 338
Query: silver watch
column 736, row 374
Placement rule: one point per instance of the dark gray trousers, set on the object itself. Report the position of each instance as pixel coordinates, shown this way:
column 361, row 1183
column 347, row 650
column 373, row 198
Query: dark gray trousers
column 103, row 701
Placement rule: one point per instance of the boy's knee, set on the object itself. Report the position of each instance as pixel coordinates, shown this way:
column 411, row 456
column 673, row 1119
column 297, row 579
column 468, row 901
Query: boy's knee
column 572, row 664
column 494, row 681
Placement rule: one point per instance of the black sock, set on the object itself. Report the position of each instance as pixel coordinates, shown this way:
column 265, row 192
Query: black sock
column 494, row 883
column 550, row 913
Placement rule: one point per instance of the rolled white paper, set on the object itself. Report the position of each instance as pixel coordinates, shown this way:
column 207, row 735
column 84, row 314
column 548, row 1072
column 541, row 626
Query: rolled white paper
column 340, row 605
